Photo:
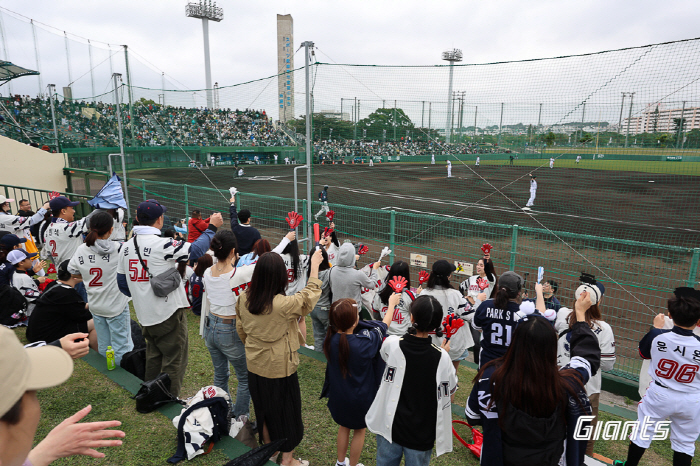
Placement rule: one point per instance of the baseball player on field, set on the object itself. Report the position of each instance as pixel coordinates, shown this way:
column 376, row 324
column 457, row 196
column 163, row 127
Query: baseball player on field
column 478, row 160
column 578, row 159
column 551, row 162
column 323, row 198
column 449, row 169
column 533, row 190
column 674, row 392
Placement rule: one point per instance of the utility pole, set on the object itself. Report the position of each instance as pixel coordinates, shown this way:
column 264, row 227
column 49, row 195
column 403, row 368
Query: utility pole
column 500, row 126
column 308, row 48
column 130, row 95
column 394, row 120
column 476, row 111
column 681, row 136
column 422, row 115
column 354, row 119
column 36, row 58
column 117, row 77
column 622, row 107
column 92, row 75
column 629, row 118
column 583, row 116
column 52, row 93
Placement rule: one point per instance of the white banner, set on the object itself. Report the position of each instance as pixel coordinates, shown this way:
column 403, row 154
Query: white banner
column 419, row 260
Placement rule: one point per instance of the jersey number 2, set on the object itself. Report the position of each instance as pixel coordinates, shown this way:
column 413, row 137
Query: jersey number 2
column 666, row 369
column 96, row 279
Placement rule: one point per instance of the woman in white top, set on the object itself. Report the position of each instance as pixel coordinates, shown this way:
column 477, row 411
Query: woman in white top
column 452, row 302
column 477, row 289
column 297, row 266
column 219, row 315
column 96, row 261
column 331, row 244
column 401, row 318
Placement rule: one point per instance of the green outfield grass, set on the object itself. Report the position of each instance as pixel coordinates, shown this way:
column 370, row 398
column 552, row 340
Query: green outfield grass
column 667, row 168
column 624, row 151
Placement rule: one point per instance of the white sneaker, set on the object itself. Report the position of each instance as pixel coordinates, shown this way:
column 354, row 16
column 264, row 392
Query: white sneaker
column 344, row 463
column 311, row 347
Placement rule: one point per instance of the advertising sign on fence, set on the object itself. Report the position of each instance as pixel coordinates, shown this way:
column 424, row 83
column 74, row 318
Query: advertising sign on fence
column 419, row 260
column 674, row 158
column 464, row 268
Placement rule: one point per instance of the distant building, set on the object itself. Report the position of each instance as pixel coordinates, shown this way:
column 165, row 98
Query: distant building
column 285, row 67
column 656, row 118
column 335, row 114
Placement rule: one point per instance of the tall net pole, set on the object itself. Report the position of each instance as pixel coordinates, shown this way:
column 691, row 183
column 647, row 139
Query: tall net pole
column 308, row 47
column 36, row 58
column 4, row 47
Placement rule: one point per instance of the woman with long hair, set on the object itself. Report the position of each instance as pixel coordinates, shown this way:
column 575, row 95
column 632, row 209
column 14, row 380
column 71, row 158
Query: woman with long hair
column 220, row 315
column 477, row 289
column 452, row 301
column 401, row 315
column 319, row 316
column 95, row 261
column 260, row 247
column 331, row 243
column 297, row 266
column 566, row 319
column 195, row 283
column 528, row 407
column 413, row 410
column 267, row 324
column 352, row 381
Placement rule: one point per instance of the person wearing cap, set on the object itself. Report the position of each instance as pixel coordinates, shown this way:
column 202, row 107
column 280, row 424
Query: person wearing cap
column 23, row 371
column 12, row 223
column 246, row 235
column 163, row 319
column 60, row 311
column 606, row 341
column 323, row 199
column 533, row 190
column 65, row 234
column 496, row 317
column 8, row 243
column 22, row 278
column 452, row 302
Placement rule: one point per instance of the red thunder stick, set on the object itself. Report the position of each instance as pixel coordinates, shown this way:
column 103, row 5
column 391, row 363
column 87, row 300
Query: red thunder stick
column 362, row 250
column 53, row 195
column 294, row 219
column 398, row 284
column 327, row 232
column 451, row 324
column 330, row 215
column 423, row 277
column 486, row 248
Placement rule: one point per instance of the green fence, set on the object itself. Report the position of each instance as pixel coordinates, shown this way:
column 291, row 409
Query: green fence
column 638, row 276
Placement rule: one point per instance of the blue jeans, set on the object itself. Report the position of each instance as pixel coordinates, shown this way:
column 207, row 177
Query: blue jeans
column 319, row 318
column 226, row 347
column 389, row 454
column 115, row 332
column 82, row 291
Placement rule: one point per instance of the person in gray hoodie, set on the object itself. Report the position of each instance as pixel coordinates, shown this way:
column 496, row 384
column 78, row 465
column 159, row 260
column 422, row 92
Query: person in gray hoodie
column 346, row 281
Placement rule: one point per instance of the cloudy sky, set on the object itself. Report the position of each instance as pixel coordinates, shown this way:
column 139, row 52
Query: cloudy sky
column 386, row 32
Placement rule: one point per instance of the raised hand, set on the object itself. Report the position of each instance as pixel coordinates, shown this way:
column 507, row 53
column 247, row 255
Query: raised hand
column 398, row 283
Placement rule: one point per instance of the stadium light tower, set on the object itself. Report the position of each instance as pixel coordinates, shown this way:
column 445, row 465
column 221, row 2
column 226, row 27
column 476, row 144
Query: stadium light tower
column 451, row 56
column 206, row 11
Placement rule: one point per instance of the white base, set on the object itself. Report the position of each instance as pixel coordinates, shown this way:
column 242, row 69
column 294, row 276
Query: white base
column 526, row 208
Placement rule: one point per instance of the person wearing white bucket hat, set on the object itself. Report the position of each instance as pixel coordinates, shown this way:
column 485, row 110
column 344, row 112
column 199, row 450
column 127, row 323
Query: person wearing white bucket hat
column 22, row 373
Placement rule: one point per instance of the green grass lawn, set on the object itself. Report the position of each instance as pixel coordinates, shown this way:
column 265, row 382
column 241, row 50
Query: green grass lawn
column 668, row 168
column 151, row 438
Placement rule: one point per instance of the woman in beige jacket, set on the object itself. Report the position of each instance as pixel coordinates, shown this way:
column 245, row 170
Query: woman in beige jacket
column 267, row 325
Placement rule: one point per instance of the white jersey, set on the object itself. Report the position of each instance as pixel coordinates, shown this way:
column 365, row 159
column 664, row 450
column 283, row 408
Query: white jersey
column 297, row 284
column 332, row 252
column 368, row 294
column 475, row 285
column 533, row 185
column 401, row 319
column 98, row 267
column 606, row 341
column 239, row 282
column 551, row 163
column 159, row 255
column 62, row 238
column 14, row 224
column 675, row 359
column 453, row 302
column 26, row 285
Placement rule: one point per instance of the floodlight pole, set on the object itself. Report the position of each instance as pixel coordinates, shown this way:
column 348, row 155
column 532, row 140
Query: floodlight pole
column 36, row 57
column 622, row 108
column 629, row 118
column 451, row 56
column 206, row 11
column 680, row 139
column 52, row 92
column 308, row 47
column 116, row 77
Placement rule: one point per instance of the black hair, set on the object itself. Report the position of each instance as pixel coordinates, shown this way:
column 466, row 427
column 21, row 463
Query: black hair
column 436, row 280
column 244, row 215
column 324, row 265
column 554, row 285
column 168, row 233
column 398, row 269
column 427, row 315
column 684, row 310
column 143, row 220
column 269, row 279
column 223, row 242
column 14, row 414
column 293, row 250
column 23, row 200
column 503, row 295
column 62, row 271
column 100, row 224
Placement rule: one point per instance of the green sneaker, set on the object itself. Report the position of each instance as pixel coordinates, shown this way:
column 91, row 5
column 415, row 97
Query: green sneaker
column 619, row 463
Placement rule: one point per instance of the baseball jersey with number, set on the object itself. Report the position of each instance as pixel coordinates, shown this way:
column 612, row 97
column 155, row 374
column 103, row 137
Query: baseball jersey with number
column 13, row 224
column 475, row 285
column 98, row 268
column 454, row 302
column 675, row 358
column 63, row 238
column 159, row 254
column 296, row 284
column 401, row 320
column 497, row 326
column 606, row 341
column 25, row 284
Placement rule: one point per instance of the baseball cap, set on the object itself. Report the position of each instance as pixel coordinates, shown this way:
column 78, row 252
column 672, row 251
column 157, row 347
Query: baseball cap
column 150, row 210
column 18, row 255
column 442, row 267
column 11, row 240
column 511, row 281
column 3, row 200
column 61, row 202
column 23, row 370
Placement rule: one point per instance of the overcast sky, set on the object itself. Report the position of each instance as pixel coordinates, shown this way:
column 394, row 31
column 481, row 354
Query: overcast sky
column 406, row 32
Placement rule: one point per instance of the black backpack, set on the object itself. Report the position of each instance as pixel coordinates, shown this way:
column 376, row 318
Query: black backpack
column 13, row 311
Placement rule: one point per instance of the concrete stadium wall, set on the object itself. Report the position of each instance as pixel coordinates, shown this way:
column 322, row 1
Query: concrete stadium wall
column 23, row 165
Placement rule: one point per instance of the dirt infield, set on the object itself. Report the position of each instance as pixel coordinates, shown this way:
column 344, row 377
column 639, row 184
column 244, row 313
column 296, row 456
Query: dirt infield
column 658, row 208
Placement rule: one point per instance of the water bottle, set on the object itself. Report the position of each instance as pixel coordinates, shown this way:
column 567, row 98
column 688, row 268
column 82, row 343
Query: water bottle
column 110, row 359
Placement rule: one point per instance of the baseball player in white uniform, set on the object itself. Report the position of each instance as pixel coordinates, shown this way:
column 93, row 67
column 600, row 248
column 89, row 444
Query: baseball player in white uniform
column 533, row 190
column 371, row 161
column 432, row 159
column 675, row 389
column 478, row 160
column 449, row 169
column 551, row 162
column 578, row 159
